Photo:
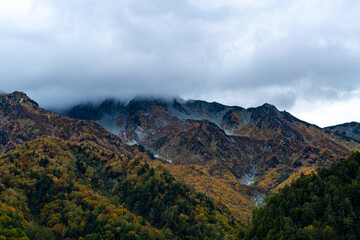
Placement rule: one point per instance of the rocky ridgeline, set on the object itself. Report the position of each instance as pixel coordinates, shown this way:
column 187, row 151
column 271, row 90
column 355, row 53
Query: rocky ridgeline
column 225, row 138
column 347, row 130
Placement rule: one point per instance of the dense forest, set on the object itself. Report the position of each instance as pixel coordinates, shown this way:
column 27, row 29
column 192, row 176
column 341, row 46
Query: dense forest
column 322, row 206
column 56, row 189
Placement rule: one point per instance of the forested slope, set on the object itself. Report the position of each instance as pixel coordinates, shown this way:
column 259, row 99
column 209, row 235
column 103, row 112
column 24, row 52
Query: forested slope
column 56, row 189
column 325, row 205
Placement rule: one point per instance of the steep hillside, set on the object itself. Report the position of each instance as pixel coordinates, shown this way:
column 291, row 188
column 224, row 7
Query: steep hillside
column 347, row 130
column 318, row 206
column 251, row 152
column 59, row 189
column 21, row 120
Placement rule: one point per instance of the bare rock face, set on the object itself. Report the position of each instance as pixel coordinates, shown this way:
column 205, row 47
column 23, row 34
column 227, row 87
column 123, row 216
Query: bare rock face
column 236, row 139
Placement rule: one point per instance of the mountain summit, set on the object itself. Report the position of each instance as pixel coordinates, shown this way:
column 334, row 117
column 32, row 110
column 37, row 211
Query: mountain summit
column 250, row 152
column 22, row 120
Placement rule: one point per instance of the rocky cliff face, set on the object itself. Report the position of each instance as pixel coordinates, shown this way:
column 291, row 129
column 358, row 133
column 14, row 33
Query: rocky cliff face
column 199, row 132
column 250, row 151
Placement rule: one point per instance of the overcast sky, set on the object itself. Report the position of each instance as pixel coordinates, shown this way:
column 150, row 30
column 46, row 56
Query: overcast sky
column 300, row 55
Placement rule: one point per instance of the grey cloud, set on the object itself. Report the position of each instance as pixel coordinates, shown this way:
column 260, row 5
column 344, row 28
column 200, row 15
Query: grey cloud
column 275, row 51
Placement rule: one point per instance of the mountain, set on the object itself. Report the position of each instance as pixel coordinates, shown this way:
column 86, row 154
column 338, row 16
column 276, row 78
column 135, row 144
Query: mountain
column 325, row 205
column 347, row 130
column 233, row 154
column 22, row 120
column 63, row 178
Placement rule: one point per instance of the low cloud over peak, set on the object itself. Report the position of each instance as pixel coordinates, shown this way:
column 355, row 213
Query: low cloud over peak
column 289, row 53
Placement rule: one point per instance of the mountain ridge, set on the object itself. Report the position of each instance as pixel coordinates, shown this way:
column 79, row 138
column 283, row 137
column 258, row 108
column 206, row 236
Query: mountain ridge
column 350, row 130
column 251, row 151
column 22, row 119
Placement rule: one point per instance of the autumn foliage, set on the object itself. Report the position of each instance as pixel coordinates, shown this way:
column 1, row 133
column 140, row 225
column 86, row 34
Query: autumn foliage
column 56, row 189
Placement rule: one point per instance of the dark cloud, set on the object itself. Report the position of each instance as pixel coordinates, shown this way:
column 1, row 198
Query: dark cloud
column 236, row 52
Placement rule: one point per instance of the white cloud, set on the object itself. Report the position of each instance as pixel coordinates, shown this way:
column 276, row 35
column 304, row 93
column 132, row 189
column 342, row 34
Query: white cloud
column 239, row 52
column 329, row 113
column 24, row 16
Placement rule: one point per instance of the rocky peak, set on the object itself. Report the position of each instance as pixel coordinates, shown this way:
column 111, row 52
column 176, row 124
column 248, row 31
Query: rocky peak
column 266, row 112
column 203, row 106
column 17, row 98
column 16, row 104
column 268, row 107
column 143, row 102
